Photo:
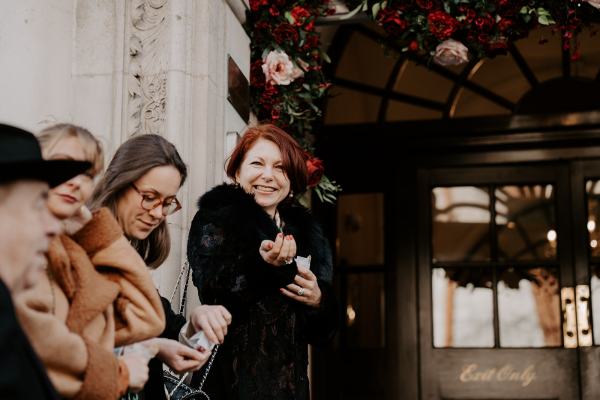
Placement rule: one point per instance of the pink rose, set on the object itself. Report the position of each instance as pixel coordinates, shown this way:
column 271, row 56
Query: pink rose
column 279, row 69
column 594, row 3
column 451, row 52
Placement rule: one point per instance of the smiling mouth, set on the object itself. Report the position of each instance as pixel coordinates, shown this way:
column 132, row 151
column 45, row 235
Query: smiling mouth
column 147, row 224
column 267, row 189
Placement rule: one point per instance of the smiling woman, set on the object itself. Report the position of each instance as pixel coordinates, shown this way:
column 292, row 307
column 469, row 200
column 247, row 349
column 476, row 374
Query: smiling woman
column 246, row 247
column 71, row 316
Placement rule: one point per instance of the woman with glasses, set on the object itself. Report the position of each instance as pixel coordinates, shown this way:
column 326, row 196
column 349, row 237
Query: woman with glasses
column 97, row 293
column 140, row 188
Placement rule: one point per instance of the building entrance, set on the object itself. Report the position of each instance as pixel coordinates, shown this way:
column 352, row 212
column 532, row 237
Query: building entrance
column 509, row 282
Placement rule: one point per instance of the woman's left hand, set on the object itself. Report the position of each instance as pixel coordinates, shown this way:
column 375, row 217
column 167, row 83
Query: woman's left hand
column 305, row 288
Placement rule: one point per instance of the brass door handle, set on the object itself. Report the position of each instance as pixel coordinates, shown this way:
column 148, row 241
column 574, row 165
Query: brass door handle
column 584, row 326
column 567, row 298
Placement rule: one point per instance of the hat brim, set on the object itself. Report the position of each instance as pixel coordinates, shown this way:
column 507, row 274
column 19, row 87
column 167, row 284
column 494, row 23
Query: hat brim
column 54, row 172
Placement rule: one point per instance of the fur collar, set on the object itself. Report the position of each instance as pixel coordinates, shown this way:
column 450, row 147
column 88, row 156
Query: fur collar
column 238, row 214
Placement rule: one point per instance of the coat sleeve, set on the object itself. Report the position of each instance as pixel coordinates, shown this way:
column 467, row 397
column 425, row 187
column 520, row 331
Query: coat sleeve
column 76, row 367
column 139, row 312
column 227, row 267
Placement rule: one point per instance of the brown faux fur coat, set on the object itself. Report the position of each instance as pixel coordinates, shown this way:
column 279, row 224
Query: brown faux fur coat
column 98, row 295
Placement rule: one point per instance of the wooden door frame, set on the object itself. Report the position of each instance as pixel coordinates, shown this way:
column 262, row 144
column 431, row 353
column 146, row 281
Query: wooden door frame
column 444, row 362
column 431, row 144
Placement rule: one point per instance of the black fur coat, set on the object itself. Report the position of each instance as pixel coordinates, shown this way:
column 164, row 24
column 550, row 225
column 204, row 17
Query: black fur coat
column 265, row 351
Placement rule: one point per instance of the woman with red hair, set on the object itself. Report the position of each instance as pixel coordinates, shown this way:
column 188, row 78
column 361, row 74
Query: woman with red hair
column 262, row 256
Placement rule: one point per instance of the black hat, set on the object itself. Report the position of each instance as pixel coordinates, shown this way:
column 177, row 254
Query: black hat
column 21, row 158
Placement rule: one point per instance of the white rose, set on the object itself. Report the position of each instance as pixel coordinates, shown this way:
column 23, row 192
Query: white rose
column 451, row 52
column 594, row 3
column 279, row 69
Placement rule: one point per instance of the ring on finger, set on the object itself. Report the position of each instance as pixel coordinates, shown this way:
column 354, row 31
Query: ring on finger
column 301, row 291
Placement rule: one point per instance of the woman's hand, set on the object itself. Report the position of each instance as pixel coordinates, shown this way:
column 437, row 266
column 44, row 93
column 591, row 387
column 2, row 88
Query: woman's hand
column 137, row 365
column 279, row 252
column 213, row 320
column 305, row 288
column 179, row 357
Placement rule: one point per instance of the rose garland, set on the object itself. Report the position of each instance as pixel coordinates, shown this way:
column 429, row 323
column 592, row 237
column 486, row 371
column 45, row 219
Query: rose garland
column 286, row 77
column 450, row 32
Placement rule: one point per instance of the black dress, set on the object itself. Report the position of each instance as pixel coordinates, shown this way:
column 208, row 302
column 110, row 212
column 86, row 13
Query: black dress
column 22, row 376
column 265, row 354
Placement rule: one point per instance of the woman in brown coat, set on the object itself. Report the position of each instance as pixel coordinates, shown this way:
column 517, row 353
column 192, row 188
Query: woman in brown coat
column 98, row 293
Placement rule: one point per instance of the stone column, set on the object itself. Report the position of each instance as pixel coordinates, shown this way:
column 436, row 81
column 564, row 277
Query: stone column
column 127, row 67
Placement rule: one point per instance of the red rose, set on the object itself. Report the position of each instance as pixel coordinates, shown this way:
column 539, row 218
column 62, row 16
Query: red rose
column 310, row 26
column 285, row 32
column 484, row 23
column 274, row 11
column 413, row 46
column 391, row 21
column 315, row 171
column 442, row 25
column 256, row 4
column 275, row 114
column 311, row 42
column 268, row 97
column 504, row 24
column 299, row 15
column 257, row 76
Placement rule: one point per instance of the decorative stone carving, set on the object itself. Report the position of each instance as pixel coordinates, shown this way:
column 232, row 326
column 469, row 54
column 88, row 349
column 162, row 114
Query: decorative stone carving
column 148, row 64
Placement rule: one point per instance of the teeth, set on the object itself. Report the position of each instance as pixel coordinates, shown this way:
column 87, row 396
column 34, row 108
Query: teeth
column 265, row 188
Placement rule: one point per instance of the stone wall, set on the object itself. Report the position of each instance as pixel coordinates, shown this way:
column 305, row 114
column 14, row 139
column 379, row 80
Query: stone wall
column 126, row 67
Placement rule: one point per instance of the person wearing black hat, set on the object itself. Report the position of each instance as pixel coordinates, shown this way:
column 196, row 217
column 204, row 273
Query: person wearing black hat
column 26, row 229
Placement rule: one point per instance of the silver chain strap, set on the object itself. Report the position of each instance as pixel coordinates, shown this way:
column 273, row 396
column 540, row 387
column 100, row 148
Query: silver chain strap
column 207, row 370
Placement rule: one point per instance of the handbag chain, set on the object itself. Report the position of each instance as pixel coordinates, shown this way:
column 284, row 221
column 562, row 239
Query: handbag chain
column 187, row 271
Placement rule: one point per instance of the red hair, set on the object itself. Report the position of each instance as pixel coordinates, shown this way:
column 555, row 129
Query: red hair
column 293, row 158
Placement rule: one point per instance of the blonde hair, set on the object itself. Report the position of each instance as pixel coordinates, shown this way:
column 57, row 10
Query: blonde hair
column 92, row 147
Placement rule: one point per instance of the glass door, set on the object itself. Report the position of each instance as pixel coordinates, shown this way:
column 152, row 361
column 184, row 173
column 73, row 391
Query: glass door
column 497, row 296
column 586, row 241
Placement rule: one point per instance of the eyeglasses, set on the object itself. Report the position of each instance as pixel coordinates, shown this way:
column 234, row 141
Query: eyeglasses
column 151, row 201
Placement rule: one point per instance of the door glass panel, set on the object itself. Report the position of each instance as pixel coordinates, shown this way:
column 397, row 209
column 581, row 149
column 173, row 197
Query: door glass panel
column 463, row 308
column 525, row 220
column 593, row 222
column 529, row 308
column 461, row 219
column 365, row 310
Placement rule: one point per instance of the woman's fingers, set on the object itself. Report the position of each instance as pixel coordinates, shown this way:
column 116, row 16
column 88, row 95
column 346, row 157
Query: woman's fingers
column 192, row 354
column 206, row 326
column 300, row 281
column 219, row 327
column 306, row 274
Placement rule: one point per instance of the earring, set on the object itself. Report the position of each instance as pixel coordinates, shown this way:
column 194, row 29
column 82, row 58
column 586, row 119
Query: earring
column 291, row 194
column 236, row 184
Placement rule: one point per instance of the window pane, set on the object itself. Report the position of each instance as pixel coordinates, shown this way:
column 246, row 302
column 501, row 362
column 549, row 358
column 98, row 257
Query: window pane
column 463, row 308
column 461, row 220
column 593, row 223
column 525, row 220
column 529, row 308
column 365, row 310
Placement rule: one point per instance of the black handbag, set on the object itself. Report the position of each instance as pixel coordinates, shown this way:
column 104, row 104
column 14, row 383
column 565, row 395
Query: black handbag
column 175, row 387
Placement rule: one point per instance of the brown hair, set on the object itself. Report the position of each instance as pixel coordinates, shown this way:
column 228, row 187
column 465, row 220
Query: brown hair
column 293, row 158
column 134, row 159
column 50, row 136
